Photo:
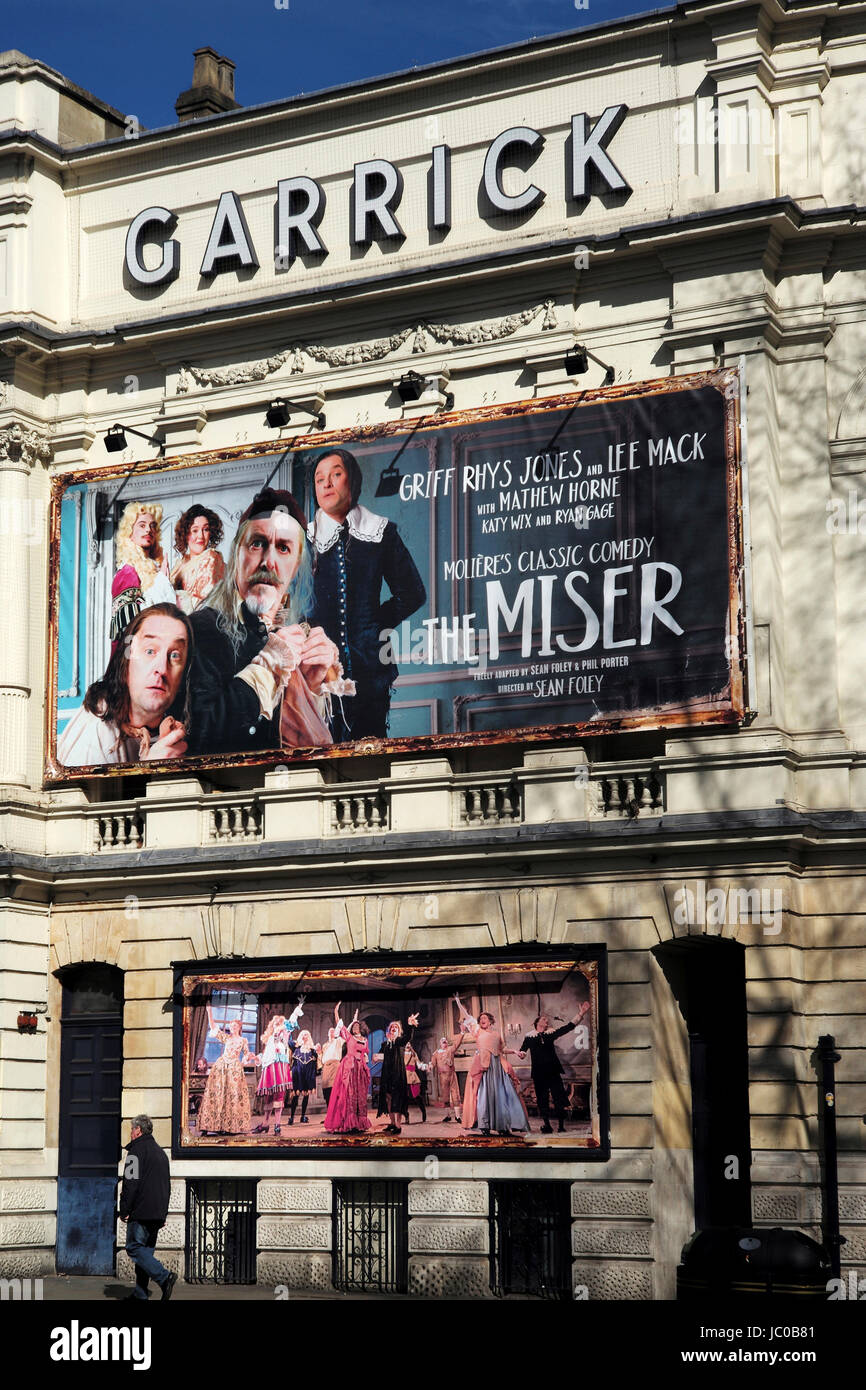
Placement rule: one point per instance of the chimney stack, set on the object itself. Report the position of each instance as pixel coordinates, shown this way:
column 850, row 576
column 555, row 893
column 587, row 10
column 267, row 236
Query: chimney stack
column 213, row 87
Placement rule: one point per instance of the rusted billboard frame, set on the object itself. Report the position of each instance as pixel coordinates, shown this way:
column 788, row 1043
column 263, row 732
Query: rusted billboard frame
column 729, row 381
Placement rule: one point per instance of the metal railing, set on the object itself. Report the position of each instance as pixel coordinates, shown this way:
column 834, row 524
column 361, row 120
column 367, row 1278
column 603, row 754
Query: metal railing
column 370, row 1236
column 220, row 1231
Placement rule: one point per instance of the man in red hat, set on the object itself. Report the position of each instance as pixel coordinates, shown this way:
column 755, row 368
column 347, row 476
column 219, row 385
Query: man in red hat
column 259, row 671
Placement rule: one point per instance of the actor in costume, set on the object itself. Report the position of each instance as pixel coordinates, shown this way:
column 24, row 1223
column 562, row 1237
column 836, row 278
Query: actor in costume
column 201, row 566
column 225, row 1108
column 347, row 1108
column 142, row 577
column 416, row 1082
column 276, row 1077
column 444, row 1068
column 305, row 1061
column 393, row 1087
column 547, row 1067
column 259, row 674
column 491, row 1103
column 355, row 551
column 138, row 712
column 332, row 1056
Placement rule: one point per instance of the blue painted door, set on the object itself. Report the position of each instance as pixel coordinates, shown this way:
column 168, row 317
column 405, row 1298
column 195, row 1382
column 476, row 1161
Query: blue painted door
column 90, row 1068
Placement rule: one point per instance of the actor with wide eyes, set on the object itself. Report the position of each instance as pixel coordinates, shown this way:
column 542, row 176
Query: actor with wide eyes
column 260, row 674
column 138, row 711
column 201, row 566
column 355, row 553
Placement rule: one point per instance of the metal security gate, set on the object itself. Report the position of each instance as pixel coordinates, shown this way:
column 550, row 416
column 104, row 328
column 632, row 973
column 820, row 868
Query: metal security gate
column 220, row 1231
column 371, row 1222
column 530, row 1239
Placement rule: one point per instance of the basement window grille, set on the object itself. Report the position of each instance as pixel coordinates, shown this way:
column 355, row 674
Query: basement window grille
column 530, row 1239
column 371, row 1222
column 220, row 1231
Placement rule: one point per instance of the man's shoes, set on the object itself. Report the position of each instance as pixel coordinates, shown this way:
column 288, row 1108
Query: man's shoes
column 168, row 1286
column 546, row 1129
column 277, row 1129
column 305, row 1119
column 134, row 1298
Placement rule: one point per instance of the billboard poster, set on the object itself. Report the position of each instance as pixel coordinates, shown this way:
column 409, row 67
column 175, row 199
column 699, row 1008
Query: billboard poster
column 517, row 572
column 501, row 1053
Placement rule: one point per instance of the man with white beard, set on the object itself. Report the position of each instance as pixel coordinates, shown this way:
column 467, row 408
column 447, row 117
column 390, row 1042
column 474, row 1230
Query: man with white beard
column 259, row 672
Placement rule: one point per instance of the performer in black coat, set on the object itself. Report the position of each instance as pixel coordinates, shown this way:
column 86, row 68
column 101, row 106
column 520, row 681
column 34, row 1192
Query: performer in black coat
column 257, row 667
column 547, row 1068
column 354, row 552
column 393, row 1087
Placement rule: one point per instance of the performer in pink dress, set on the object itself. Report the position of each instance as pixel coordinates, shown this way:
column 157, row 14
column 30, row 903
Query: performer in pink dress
column 142, row 577
column 347, row 1108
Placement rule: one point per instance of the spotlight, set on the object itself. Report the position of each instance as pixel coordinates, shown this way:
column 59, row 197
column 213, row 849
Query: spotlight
column 115, row 440
column 576, row 361
column 410, row 387
column 389, row 481
column 278, row 414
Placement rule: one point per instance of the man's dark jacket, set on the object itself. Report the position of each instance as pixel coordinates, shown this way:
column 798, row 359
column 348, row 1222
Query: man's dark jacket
column 146, row 1188
column 225, row 716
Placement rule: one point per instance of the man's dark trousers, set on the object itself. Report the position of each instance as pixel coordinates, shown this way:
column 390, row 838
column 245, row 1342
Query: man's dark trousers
column 141, row 1238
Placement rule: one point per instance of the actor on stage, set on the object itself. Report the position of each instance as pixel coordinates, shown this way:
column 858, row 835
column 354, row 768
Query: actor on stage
column 305, row 1060
column 201, row 566
column 259, row 673
column 547, row 1067
column 142, row 577
column 347, row 1108
column 276, row 1077
column 444, row 1068
column 393, row 1087
column 225, row 1108
column 490, row 1102
column 355, row 552
column 332, row 1056
column 139, row 711
column 416, row 1082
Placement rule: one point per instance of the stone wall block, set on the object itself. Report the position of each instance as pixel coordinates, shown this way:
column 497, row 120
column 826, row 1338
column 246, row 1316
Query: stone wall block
column 614, row 1280
column 293, row 1233
column 295, row 1195
column 432, row 1277
column 590, row 1238
column 25, row 1194
column 449, row 1233
column 434, row 1198
column 302, row 1272
column 601, row 1199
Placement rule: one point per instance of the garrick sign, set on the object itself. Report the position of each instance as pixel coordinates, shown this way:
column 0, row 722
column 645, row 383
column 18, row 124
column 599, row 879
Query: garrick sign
column 374, row 199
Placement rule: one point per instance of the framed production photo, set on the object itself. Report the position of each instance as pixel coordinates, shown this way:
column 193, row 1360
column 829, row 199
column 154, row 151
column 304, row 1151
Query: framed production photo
column 500, row 1053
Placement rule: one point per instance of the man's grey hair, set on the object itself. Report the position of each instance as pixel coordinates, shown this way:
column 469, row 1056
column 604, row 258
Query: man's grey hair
column 225, row 597
column 144, row 1123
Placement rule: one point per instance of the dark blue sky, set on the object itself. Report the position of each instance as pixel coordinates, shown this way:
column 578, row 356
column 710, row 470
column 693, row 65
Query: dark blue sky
column 138, row 57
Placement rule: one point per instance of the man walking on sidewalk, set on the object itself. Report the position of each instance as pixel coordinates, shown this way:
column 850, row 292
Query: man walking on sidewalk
column 144, row 1199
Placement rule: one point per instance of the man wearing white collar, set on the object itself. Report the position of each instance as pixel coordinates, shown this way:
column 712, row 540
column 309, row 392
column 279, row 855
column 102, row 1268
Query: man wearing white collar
column 354, row 552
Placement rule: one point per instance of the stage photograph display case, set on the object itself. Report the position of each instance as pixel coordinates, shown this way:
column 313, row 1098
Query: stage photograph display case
column 514, row 573
column 502, row 1053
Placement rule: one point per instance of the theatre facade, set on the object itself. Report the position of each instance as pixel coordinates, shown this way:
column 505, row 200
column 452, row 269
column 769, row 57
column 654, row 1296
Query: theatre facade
column 587, row 313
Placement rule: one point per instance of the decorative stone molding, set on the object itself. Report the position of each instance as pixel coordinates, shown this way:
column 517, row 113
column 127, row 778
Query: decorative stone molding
column 22, row 447
column 299, row 1196
column 852, row 1204
column 25, row 1195
column 357, row 354
column 293, row 1233
column 448, row 1198
column 597, row 1199
column 615, row 1280
column 27, row 1264
column 469, row 1237
column 621, row 1239
column 771, row 1205
column 430, row 1277
column 18, row 1229
column 311, row 1272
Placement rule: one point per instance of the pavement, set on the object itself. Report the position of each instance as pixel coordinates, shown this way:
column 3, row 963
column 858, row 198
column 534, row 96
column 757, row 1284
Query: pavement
column 80, row 1288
